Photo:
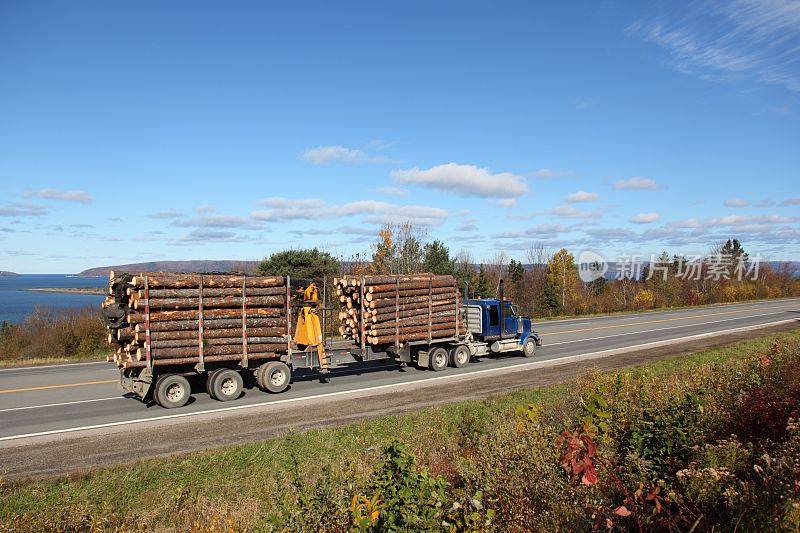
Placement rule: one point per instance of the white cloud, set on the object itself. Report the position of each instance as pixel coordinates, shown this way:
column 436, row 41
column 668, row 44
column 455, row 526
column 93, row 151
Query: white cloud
column 791, row 201
column 636, row 183
column 569, row 211
column 736, row 202
column 205, row 208
column 645, row 218
column 202, row 236
column 75, row 195
column 465, row 180
column 371, row 211
column 548, row 173
column 22, row 210
column 322, row 155
column 506, row 202
column 167, row 214
column 540, row 231
column 220, row 221
column 392, row 191
column 724, row 41
column 582, row 196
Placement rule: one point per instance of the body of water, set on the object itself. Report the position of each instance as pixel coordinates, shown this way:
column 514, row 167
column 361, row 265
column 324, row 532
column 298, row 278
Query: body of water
column 16, row 302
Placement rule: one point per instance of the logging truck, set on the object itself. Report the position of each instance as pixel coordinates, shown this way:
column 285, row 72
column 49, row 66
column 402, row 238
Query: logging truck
column 264, row 328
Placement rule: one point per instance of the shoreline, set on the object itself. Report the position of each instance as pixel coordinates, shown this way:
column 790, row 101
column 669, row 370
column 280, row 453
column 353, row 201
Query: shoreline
column 99, row 291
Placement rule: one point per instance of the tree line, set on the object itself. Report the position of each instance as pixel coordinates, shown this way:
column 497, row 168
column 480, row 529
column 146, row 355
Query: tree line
column 548, row 283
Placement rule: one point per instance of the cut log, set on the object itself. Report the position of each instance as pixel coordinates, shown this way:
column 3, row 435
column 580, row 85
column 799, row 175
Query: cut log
column 163, row 353
column 407, row 293
column 386, row 302
column 213, row 292
column 214, row 302
column 221, row 323
column 160, row 280
column 438, row 282
column 389, row 339
column 189, row 343
column 190, row 314
column 193, row 360
column 211, row 333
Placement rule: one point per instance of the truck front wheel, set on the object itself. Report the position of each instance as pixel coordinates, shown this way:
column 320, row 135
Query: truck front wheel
column 172, row 391
column 274, row 376
column 529, row 347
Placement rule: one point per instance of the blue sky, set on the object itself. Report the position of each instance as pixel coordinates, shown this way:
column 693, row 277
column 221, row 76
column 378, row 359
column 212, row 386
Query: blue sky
column 200, row 130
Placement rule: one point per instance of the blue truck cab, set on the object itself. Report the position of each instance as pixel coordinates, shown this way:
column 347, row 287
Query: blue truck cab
column 503, row 329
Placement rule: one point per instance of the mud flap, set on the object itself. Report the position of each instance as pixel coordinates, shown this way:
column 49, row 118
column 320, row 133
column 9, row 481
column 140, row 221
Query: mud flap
column 422, row 359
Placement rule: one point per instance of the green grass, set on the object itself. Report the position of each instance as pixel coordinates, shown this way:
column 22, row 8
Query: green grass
column 251, row 479
column 97, row 355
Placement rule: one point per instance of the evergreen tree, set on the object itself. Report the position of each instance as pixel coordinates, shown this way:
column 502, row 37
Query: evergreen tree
column 302, row 264
column 482, row 288
column 436, row 259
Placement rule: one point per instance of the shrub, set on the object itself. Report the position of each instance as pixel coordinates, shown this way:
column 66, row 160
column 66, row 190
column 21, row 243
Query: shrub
column 47, row 333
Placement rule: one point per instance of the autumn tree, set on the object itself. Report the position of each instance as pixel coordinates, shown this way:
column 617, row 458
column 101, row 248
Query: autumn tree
column 384, row 251
column 562, row 279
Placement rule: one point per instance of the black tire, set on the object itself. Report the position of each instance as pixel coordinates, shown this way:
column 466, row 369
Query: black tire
column 460, row 356
column 274, row 376
column 172, row 391
column 210, row 378
column 529, row 347
column 227, row 385
column 438, row 359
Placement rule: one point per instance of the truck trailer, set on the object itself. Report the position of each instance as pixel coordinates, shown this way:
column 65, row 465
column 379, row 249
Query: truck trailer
column 203, row 328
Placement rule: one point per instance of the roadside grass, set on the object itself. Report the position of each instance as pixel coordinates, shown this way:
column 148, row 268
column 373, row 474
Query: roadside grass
column 264, row 485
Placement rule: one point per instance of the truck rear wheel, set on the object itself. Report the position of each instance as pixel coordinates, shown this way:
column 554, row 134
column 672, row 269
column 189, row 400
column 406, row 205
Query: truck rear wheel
column 172, row 391
column 438, row 359
column 210, row 378
column 227, row 385
column 274, row 376
column 459, row 356
column 529, row 347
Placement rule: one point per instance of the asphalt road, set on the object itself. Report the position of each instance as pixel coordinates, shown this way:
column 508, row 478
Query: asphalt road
column 69, row 401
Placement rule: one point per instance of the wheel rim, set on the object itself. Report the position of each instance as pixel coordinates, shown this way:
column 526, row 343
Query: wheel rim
column 440, row 359
column 462, row 357
column 278, row 377
column 529, row 347
column 229, row 387
column 175, row 392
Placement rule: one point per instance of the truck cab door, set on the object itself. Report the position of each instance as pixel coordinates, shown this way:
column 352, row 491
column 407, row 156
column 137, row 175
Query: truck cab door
column 511, row 319
column 491, row 322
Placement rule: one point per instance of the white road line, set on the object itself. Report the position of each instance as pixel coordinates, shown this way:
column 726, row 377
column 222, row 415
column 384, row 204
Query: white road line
column 60, row 365
column 657, row 329
column 62, row 403
column 404, row 385
column 655, row 312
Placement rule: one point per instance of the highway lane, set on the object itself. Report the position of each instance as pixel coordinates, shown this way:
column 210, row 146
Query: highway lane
column 66, row 399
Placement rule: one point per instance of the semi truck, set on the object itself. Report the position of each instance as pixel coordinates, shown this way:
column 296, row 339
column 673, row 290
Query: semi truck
column 491, row 326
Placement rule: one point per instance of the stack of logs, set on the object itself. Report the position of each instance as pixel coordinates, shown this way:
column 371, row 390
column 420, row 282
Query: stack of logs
column 220, row 316
column 398, row 309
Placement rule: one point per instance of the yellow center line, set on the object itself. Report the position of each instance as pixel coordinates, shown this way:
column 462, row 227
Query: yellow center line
column 61, row 386
column 658, row 321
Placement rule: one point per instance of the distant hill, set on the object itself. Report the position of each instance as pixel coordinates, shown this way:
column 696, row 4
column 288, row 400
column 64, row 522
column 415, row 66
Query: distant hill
column 248, row 267
column 7, row 273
